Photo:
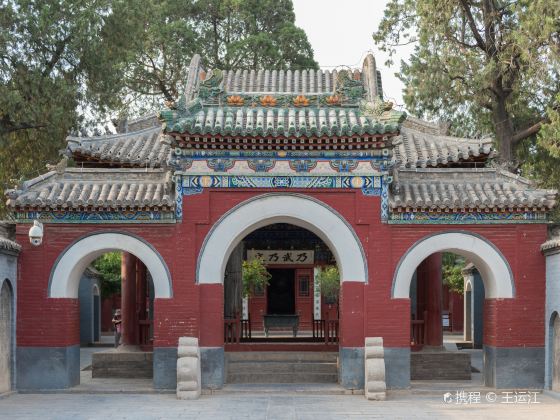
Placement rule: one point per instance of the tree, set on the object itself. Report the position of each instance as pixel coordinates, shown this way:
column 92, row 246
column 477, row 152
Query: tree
column 452, row 268
column 58, row 61
column 244, row 34
column 484, row 64
column 69, row 65
column 109, row 266
column 328, row 279
column 254, row 276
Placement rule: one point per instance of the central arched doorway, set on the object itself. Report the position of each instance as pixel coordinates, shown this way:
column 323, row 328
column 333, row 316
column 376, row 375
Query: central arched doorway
column 303, row 214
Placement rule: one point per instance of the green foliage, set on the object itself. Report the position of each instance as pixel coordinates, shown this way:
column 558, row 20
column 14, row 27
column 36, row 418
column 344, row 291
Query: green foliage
column 109, row 266
column 254, row 276
column 66, row 65
column 543, row 155
column 58, row 60
column 328, row 279
column 487, row 66
column 244, row 34
column 452, row 266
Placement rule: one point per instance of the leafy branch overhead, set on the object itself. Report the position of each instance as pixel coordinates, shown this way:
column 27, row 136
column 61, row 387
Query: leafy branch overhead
column 70, row 66
column 488, row 66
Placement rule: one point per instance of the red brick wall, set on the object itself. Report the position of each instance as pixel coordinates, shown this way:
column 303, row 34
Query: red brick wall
column 54, row 322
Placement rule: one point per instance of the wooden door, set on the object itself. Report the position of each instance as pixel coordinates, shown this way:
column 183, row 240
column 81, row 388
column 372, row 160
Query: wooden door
column 304, row 297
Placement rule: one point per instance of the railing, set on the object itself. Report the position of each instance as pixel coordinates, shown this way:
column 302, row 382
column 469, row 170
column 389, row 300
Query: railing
column 418, row 332
column 144, row 335
column 331, row 336
column 236, row 328
column 231, row 330
column 246, row 327
column 318, row 326
column 326, row 329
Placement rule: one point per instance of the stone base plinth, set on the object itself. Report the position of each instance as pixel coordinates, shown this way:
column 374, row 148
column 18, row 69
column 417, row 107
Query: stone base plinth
column 440, row 365
column 122, row 363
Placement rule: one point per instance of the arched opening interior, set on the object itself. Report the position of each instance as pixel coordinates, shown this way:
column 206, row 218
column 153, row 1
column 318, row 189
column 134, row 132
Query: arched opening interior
column 291, row 307
column 555, row 352
column 447, row 303
column 444, row 273
column 116, row 283
column 295, row 309
column 115, row 278
column 6, row 335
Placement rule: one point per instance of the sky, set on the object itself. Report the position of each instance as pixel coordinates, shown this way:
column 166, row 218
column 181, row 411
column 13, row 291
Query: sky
column 340, row 34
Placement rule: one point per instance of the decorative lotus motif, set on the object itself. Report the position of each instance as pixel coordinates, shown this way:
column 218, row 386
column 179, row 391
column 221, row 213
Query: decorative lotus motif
column 301, row 100
column 268, row 100
column 333, row 100
column 235, row 100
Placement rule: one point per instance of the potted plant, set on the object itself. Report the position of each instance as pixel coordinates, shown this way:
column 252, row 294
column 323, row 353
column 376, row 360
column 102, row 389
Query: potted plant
column 328, row 279
column 254, row 276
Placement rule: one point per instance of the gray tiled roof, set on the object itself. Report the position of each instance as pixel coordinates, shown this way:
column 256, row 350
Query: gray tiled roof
column 422, row 149
column 481, row 189
column 138, row 149
column 96, row 189
column 10, row 246
column 272, row 81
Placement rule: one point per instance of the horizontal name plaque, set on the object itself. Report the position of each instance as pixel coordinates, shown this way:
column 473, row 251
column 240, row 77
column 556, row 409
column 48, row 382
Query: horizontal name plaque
column 282, row 256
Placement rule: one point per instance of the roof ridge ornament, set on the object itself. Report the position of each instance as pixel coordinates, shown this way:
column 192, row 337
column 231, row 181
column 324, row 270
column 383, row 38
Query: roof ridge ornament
column 60, row 167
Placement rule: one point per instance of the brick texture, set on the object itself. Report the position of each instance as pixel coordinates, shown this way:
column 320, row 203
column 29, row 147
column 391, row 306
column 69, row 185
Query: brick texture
column 197, row 310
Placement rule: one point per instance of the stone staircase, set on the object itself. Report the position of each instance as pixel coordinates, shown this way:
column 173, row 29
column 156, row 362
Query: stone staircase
column 116, row 363
column 281, row 367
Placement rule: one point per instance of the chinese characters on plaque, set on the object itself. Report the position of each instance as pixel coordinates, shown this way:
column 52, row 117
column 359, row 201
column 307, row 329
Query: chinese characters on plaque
column 282, row 256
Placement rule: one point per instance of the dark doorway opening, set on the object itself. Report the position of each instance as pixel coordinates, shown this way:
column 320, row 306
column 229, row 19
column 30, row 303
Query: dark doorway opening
column 281, row 298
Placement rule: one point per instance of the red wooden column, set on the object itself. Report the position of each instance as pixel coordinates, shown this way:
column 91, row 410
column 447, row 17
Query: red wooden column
column 429, row 285
column 141, row 289
column 128, row 299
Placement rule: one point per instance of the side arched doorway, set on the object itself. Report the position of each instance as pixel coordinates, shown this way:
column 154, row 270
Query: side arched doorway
column 500, row 358
column 65, row 280
column 555, row 352
column 303, row 212
column 6, row 335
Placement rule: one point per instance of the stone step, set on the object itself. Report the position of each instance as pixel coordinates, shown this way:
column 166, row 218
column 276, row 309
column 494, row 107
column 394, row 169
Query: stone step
column 122, row 364
column 444, row 365
column 279, row 356
column 281, row 367
column 281, row 378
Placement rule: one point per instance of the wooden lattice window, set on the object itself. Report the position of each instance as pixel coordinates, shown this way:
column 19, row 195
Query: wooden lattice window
column 303, row 290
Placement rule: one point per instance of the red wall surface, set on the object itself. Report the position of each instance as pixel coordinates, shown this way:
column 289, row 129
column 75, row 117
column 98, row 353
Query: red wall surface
column 366, row 310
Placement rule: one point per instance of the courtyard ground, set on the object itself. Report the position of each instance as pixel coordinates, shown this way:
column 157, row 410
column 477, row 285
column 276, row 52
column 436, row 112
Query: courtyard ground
column 401, row 405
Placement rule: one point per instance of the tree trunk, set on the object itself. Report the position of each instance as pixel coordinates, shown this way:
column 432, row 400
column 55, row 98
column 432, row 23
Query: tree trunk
column 504, row 131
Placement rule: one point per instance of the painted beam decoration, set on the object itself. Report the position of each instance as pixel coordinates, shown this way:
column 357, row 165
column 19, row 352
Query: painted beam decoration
column 282, row 257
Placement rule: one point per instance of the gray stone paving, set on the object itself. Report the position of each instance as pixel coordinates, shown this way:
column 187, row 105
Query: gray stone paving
column 401, row 405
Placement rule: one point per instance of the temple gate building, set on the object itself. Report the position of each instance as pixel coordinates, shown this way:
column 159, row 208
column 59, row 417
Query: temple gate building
column 305, row 168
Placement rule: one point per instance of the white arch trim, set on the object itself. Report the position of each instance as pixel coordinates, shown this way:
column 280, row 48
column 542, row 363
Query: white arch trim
column 491, row 264
column 266, row 209
column 68, row 269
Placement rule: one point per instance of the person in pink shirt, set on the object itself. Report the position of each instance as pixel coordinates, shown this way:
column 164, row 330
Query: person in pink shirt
column 117, row 324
